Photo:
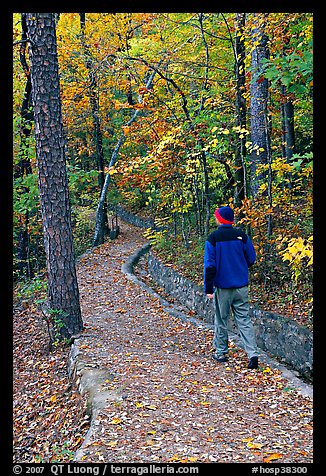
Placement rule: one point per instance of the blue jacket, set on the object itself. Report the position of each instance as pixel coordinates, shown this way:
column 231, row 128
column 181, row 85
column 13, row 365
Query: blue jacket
column 229, row 253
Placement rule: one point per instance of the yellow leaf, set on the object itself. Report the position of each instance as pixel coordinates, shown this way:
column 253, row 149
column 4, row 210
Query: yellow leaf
column 115, row 421
column 113, row 443
column 112, row 171
column 53, row 398
column 255, row 446
column 272, row 457
column 186, row 372
column 267, row 370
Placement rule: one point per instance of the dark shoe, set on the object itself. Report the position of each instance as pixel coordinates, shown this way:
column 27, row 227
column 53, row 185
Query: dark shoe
column 253, row 363
column 220, row 358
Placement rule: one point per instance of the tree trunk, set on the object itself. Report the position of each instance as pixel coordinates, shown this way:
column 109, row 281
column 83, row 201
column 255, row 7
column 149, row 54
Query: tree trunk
column 241, row 111
column 63, row 291
column 100, row 212
column 288, row 134
column 97, row 131
column 24, row 166
column 258, row 106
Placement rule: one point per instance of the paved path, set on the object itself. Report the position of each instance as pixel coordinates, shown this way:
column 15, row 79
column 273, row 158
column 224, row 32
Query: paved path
column 155, row 393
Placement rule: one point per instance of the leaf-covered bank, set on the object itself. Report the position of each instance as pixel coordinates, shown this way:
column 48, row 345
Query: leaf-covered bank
column 49, row 415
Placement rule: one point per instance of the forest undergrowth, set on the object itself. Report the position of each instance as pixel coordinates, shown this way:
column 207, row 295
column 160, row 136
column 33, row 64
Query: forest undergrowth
column 49, row 414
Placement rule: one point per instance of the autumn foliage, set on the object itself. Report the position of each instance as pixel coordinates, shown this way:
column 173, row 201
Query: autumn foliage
column 183, row 154
column 160, row 116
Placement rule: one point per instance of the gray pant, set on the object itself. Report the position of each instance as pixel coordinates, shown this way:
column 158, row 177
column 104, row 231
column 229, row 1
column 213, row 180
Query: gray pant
column 237, row 301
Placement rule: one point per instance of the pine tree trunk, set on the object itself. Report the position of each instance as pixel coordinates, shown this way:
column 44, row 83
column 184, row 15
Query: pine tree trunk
column 63, row 291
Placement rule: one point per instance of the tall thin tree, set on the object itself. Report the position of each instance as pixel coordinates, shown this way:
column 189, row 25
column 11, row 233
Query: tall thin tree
column 241, row 109
column 288, row 134
column 258, row 103
column 24, row 166
column 260, row 122
column 94, row 101
column 63, row 291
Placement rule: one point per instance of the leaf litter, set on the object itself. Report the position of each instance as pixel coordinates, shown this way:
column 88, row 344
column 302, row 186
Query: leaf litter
column 178, row 405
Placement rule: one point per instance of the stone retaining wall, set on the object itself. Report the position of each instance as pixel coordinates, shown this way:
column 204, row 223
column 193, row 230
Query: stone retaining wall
column 133, row 219
column 291, row 343
column 283, row 338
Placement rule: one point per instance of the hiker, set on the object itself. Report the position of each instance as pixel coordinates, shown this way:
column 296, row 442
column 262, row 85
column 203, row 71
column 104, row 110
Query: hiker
column 229, row 253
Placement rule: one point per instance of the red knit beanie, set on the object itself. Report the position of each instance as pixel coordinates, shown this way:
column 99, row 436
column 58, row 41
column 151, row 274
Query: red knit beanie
column 225, row 215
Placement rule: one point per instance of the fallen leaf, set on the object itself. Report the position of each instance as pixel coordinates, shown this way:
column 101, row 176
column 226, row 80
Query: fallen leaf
column 272, row 457
column 115, row 421
column 255, row 446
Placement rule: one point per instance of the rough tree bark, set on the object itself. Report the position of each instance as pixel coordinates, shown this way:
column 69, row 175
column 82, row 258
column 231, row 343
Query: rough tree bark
column 63, row 294
column 258, row 105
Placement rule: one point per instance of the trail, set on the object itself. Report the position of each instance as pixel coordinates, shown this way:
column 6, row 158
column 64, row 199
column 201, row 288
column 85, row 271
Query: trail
column 156, row 394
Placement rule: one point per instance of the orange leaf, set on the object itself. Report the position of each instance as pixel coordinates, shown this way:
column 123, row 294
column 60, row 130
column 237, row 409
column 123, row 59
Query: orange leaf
column 272, row 457
column 139, row 106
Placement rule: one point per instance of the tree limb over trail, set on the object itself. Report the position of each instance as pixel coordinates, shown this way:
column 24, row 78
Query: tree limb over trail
column 100, row 214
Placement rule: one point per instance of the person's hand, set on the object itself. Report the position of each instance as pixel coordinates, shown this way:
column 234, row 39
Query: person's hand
column 210, row 296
